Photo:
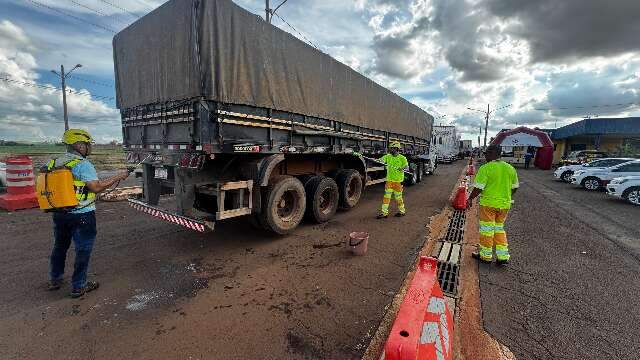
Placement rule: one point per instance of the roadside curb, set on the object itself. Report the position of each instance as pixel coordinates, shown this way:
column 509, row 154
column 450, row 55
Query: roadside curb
column 437, row 228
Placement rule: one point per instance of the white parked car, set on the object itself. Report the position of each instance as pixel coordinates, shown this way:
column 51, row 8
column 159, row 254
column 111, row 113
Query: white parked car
column 626, row 187
column 596, row 179
column 564, row 173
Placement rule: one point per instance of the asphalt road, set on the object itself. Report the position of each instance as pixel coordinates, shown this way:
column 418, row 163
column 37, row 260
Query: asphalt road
column 235, row 293
column 572, row 290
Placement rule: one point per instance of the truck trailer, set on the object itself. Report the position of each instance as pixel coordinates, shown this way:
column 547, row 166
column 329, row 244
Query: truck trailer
column 236, row 117
column 445, row 143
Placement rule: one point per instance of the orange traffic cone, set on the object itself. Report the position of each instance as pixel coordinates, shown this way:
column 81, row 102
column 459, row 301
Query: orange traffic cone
column 460, row 200
column 471, row 170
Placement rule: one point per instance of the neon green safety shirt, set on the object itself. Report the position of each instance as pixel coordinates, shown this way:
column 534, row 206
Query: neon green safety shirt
column 496, row 179
column 396, row 164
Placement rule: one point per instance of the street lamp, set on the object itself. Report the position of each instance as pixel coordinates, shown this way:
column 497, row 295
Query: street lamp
column 63, row 77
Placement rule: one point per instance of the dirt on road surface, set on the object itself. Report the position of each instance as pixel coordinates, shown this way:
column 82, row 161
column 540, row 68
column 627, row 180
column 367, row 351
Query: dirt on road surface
column 572, row 288
column 236, row 293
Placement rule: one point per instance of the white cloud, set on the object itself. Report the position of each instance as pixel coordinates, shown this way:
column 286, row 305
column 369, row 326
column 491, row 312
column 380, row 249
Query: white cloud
column 443, row 55
column 29, row 113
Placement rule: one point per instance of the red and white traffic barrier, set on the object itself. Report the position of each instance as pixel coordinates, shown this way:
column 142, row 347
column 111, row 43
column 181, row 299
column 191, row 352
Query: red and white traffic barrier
column 21, row 184
column 423, row 328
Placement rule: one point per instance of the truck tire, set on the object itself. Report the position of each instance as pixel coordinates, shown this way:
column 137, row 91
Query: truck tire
column 632, row 195
column 419, row 172
column 411, row 180
column 349, row 184
column 322, row 198
column 284, row 205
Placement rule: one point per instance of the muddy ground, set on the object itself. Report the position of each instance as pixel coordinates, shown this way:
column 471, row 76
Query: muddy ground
column 236, row 293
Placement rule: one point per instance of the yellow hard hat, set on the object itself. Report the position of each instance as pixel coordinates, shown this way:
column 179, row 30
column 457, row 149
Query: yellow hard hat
column 73, row 136
column 395, row 144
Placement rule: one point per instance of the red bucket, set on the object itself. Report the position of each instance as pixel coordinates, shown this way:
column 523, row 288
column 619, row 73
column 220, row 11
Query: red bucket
column 358, row 242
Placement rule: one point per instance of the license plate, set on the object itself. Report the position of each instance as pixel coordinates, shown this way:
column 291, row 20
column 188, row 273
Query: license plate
column 161, row 173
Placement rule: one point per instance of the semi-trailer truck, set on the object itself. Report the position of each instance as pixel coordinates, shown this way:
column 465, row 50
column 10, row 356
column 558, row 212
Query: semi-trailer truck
column 236, row 117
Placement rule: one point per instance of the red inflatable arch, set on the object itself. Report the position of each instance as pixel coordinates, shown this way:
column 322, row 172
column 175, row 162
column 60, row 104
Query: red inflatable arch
column 523, row 136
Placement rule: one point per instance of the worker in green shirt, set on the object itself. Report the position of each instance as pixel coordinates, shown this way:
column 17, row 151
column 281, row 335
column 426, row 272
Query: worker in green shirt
column 495, row 182
column 396, row 165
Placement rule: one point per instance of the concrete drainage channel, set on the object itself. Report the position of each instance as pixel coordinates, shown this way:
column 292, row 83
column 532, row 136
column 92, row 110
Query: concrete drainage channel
column 448, row 250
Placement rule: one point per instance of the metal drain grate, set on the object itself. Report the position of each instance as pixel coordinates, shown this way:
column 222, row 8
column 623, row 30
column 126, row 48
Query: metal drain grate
column 448, row 277
column 455, row 231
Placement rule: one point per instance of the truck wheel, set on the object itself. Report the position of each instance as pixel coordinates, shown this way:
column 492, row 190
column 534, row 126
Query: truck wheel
column 632, row 195
column 349, row 184
column 411, row 180
column 284, row 204
column 322, row 198
column 419, row 172
column 591, row 183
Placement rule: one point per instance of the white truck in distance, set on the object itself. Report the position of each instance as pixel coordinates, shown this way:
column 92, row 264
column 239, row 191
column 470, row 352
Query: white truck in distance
column 445, row 143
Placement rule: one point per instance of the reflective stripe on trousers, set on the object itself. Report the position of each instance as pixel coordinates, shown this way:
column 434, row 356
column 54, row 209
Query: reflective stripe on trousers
column 492, row 233
column 395, row 189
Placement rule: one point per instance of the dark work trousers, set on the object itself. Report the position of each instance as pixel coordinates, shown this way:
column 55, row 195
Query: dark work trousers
column 82, row 229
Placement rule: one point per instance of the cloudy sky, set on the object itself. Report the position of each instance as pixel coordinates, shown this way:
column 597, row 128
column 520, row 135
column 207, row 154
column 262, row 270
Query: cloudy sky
column 546, row 63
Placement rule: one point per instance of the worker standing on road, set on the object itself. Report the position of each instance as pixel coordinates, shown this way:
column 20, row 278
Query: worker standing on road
column 78, row 223
column 495, row 182
column 396, row 165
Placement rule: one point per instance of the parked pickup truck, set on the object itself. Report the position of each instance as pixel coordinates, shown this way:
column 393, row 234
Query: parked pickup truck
column 236, row 117
column 597, row 179
column 626, row 187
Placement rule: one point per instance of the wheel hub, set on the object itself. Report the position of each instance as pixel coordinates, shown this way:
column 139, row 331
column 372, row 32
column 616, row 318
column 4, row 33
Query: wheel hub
column 634, row 197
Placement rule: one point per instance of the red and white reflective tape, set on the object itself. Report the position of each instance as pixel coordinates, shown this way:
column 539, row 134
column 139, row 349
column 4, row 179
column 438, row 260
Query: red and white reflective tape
column 176, row 219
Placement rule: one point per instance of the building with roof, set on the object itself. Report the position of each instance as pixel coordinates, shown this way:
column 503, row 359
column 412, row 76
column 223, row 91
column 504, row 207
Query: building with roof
column 615, row 136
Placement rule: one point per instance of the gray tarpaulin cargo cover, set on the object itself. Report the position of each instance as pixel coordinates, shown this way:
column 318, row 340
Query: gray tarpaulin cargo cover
column 217, row 50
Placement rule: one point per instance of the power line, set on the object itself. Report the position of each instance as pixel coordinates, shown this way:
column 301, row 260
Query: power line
column 105, row 84
column 150, row 7
column 119, row 8
column 94, row 10
column 48, row 87
column 39, row 4
column 588, row 107
column 296, row 30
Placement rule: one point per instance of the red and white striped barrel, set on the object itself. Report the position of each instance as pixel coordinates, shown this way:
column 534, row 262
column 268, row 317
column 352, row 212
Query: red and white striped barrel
column 21, row 189
column 20, row 178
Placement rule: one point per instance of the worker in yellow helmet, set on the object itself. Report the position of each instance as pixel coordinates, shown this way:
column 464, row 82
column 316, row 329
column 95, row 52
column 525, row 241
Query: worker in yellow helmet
column 396, row 165
column 77, row 224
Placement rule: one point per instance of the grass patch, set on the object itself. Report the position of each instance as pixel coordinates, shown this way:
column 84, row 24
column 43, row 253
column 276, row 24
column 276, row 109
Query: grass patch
column 103, row 157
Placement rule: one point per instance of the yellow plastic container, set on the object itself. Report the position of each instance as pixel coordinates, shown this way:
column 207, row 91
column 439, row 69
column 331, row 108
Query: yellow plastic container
column 55, row 190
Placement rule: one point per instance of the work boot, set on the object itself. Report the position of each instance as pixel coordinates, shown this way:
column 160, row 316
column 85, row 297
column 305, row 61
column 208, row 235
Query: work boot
column 400, row 214
column 90, row 286
column 55, row 284
column 502, row 262
column 382, row 216
column 476, row 255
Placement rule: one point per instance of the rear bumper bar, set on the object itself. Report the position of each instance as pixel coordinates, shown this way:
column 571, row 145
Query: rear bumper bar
column 198, row 225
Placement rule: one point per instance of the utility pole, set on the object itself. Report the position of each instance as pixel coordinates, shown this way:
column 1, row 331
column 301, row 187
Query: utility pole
column 486, row 126
column 63, row 77
column 267, row 9
column 486, row 119
column 269, row 12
